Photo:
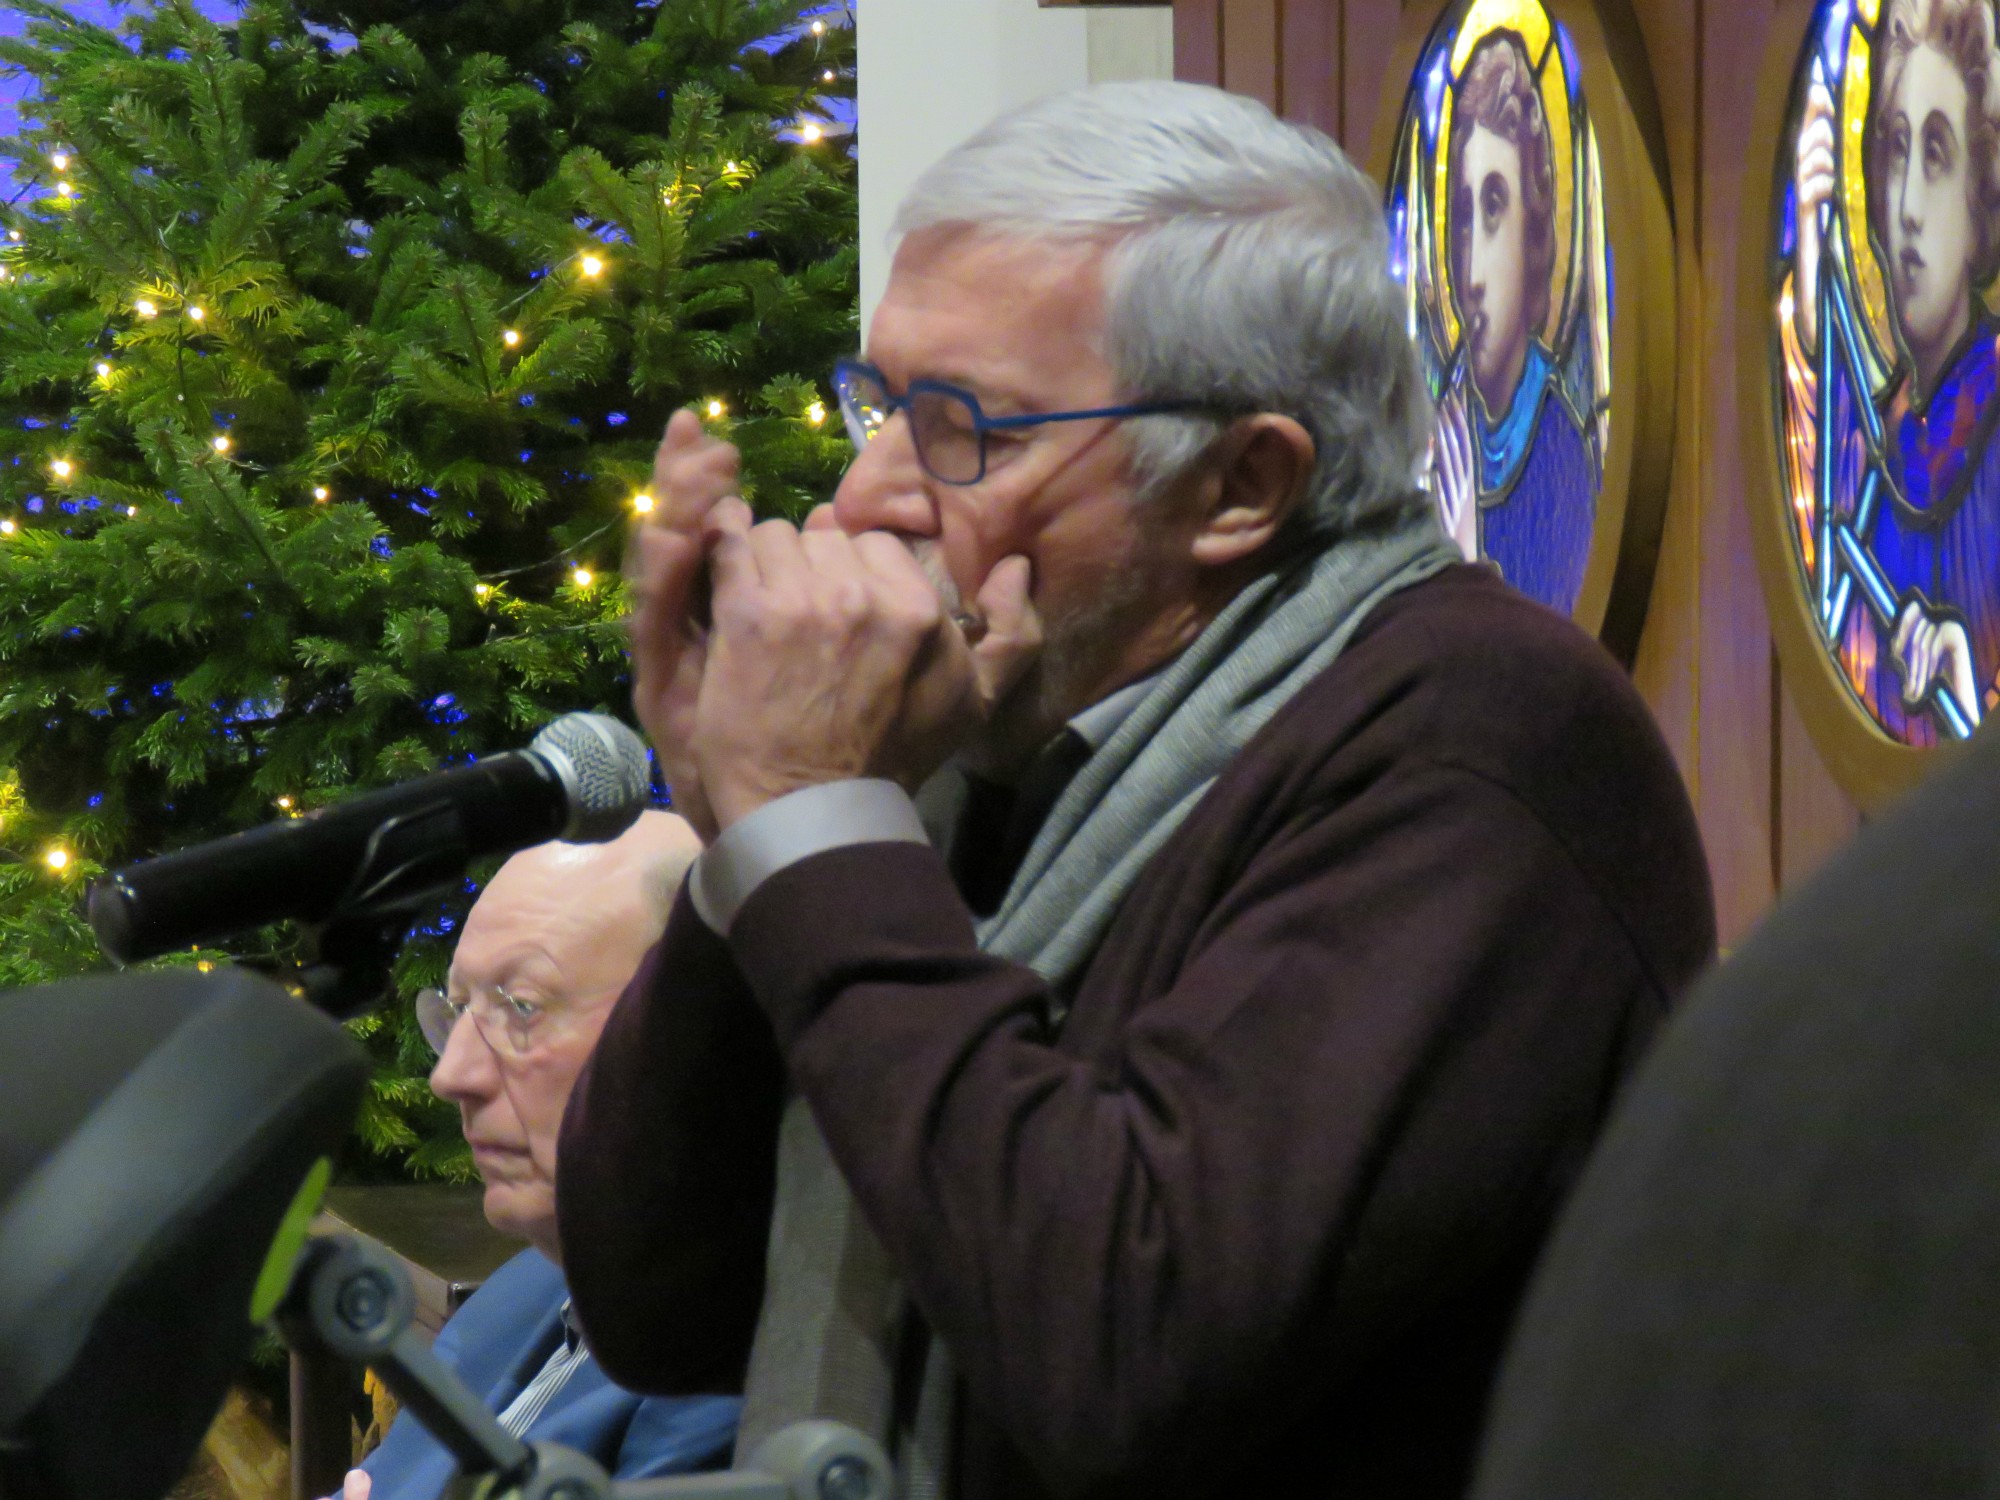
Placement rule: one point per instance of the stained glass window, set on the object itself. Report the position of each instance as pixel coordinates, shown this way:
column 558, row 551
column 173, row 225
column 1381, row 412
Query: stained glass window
column 1496, row 216
column 1883, row 339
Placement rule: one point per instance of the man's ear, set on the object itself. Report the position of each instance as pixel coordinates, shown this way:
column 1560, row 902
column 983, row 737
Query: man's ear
column 1262, row 466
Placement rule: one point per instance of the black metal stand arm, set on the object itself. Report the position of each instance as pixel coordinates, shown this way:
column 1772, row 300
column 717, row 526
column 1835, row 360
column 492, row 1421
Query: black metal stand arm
column 353, row 1300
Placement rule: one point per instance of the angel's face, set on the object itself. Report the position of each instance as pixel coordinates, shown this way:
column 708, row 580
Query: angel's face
column 1927, row 204
column 1492, row 225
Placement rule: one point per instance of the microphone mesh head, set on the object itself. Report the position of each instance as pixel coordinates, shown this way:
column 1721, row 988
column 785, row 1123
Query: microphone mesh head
column 602, row 766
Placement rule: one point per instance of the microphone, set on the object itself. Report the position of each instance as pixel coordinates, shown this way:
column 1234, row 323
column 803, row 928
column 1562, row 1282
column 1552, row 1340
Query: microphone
column 584, row 778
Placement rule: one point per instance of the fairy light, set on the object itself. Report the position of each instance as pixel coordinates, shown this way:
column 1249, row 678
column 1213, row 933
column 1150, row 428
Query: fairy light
column 56, row 857
column 816, row 413
column 62, row 468
column 285, row 803
column 716, row 408
column 583, row 578
column 103, row 368
column 819, row 28
column 729, row 166
column 131, row 510
column 320, row 492
column 14, row 235
column 809, row 133
column 60, row 162
column 197, row 314
column 145, row 307
column 220, row 442
column 511, row 338
column 643, row 503
column 827, row 76
column 590, row 265
column 63, row 189
column 481, row 590
column 7, row 528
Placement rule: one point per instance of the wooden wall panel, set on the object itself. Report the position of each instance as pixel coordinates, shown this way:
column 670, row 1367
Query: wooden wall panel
column 1814, row 816
column 1735, row 731
column 1769, row 810
column 1250, row 37
column 1667, row 666
column 1198, row 41
column 1367, row 42
column 1309, row 53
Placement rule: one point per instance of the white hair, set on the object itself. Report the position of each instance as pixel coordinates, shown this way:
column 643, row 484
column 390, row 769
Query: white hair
column 1249, row 271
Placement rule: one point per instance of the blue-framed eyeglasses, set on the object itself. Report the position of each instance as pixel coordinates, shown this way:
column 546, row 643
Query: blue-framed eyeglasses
column 946, row 423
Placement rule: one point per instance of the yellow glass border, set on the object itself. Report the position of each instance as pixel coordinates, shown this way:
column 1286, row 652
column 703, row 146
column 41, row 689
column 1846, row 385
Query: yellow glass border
column 1859, row 246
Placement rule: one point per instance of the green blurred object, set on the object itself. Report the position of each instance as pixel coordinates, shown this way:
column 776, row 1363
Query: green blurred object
column 289, row 1240
column 330, row 375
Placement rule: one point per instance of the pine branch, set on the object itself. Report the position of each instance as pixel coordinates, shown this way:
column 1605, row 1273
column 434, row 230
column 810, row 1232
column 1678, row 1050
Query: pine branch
column 380, row 574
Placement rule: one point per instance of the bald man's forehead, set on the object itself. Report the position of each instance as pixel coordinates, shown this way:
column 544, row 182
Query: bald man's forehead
column 591, row 910
column 567, row 874
column 592, row 921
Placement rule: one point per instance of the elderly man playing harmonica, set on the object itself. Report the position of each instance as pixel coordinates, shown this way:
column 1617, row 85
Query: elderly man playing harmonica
column 1198, row 919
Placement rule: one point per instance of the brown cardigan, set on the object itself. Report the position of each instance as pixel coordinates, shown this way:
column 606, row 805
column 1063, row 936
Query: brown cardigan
column 1264, row 1208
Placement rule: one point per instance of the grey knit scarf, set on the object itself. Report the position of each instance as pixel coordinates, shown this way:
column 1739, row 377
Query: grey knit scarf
column 836, row 1337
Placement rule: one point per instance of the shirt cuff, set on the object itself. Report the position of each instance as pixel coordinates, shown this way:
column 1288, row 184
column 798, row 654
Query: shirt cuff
column 796, row 826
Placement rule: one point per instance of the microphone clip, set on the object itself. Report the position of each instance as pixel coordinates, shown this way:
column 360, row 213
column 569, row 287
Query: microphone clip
column 412, row 860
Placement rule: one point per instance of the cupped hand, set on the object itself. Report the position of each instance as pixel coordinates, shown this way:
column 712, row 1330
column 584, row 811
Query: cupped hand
column 692, row 470
column 1004, row 629
column 1011, row 637
column 665, row 565
column 832, row 657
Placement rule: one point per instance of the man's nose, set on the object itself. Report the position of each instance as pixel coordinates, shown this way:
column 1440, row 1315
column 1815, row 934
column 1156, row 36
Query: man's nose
column 466, row 1070
column 885, row 488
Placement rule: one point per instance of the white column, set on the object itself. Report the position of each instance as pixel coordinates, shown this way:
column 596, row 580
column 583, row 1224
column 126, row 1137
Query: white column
column 1130, row 42
column 931, row 72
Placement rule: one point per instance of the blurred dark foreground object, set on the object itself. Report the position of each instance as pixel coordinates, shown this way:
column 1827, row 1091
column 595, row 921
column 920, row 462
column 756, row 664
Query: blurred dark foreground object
column 163, row 1142
column 1780, row 1275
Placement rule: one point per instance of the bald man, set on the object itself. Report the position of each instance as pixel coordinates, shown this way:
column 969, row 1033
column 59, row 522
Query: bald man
column 547, row 948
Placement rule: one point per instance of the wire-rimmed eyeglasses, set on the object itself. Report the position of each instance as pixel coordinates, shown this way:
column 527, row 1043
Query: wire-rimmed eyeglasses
column 946, row 422
column 506, row 1021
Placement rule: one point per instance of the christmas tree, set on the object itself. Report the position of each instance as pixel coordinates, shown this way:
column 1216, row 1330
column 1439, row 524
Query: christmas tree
column 334, row 345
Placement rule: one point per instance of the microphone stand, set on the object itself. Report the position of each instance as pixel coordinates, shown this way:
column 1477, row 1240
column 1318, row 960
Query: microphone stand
column 353, row 1300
